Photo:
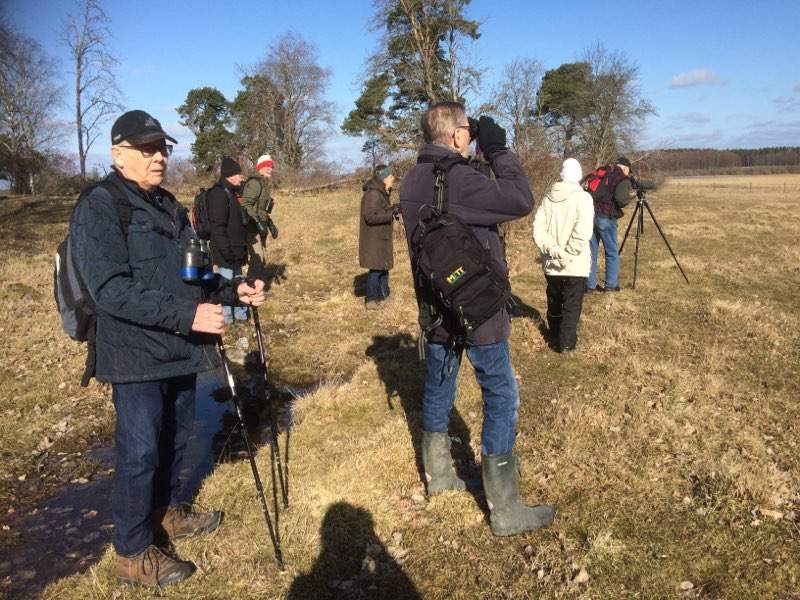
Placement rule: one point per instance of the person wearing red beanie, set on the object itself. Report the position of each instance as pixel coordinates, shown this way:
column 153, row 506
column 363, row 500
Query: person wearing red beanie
column 257, row 204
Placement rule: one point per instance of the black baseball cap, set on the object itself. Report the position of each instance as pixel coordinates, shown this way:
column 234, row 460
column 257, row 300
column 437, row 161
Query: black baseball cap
column 137, row 127
column 624, row 160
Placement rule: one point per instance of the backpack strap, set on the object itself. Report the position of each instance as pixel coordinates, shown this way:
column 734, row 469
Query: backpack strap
column 441, row 167
column 125, row 214
column 120, row 198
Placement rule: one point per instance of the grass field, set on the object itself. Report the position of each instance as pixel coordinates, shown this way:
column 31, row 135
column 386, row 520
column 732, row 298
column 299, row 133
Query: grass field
column 668, row 442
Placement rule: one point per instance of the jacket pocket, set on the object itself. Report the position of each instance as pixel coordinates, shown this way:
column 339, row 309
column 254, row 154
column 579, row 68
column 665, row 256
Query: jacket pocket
column 147, row 249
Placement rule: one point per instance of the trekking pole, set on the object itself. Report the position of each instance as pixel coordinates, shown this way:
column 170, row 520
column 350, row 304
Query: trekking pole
column 274, row 536
column 282, row 477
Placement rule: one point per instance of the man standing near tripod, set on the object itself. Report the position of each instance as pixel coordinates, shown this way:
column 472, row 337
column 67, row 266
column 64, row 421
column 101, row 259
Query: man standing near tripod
column 611, row 191
column 154, row 334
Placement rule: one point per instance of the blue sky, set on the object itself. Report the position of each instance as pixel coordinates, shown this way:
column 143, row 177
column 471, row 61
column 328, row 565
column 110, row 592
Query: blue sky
column 722, row 73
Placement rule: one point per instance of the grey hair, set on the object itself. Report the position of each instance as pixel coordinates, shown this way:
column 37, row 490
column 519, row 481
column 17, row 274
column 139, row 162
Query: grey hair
column 441, row 119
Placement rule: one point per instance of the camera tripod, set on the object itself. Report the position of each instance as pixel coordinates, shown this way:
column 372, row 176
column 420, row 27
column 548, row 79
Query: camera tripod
column 638, row 216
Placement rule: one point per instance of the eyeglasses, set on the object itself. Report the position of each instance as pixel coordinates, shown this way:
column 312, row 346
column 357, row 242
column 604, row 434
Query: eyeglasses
column 149, row 150
column 462, row 127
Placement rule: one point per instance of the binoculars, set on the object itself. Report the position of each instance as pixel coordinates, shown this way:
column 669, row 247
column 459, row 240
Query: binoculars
column 266, row 226
column 196, row 264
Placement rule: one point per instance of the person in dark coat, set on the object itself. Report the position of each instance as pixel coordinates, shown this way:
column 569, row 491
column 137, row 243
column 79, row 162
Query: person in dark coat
column 483, row 204
column 375, row 251
column 154, row 334
column 228, row 231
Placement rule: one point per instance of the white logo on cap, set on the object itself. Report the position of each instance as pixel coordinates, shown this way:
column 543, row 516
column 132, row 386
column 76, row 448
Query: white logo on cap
column 150, row 123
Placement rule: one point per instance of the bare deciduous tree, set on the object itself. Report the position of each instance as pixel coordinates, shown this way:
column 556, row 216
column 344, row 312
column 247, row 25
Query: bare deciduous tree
column 292, row 67
column 617, row 107
column 28, row 99
column 515, row 105
column 97, row 96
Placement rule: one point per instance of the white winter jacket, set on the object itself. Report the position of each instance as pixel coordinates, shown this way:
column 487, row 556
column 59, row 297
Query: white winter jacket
column 562, row 228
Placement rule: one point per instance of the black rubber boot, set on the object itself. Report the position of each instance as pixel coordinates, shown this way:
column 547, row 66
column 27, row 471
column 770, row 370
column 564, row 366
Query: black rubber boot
column 509, row 515
column 440, row 475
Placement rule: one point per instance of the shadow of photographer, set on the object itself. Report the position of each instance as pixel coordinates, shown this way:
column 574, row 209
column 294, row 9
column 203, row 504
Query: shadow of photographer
column 360, row 285
column 353, row 562
column 403, row 375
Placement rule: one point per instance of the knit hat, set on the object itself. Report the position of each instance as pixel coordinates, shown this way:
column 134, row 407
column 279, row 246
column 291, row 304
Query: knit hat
column 623, row 160
column 265, row 160
column 382, row 171
column 229, row 167
column 571, row 171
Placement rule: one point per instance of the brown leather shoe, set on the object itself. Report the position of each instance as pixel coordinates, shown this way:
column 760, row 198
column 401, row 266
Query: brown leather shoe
column 176, row 522
column 152, row 568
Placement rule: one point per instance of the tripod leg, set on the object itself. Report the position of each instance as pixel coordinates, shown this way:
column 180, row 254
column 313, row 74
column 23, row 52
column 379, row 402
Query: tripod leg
column 664, row 237
column 250, row 453
column 625, row 237
column 276, row 452
column 639, row 229
column 276, row 543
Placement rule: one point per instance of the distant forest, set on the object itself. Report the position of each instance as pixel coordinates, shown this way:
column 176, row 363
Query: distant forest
column 682, row 159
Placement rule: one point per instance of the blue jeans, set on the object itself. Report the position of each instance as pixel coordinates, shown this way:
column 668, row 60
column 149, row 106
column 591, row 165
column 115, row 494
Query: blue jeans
column 154, row 421
column 495, row 375
column 230, row 313
column 605, row 230
column 377, row 285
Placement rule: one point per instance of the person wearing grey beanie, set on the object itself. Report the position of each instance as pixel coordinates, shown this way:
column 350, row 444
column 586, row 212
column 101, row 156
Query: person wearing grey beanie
column 562, row 228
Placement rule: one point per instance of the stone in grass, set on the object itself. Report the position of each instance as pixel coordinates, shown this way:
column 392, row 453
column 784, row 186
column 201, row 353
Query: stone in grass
column 685, row 586
column 581, row 576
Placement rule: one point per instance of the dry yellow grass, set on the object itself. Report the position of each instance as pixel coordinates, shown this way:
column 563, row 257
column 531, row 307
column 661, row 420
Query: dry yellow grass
column 668, row 442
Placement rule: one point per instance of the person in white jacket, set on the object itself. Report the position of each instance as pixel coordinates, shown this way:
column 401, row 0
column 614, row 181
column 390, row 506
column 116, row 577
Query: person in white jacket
column 562, row 229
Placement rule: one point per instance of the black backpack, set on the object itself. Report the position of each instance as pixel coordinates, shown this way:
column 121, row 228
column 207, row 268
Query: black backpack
column 75, row 305
column 199, row 215
column 458, row 282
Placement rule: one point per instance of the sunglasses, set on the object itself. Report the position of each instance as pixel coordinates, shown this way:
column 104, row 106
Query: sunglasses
column 149, row 150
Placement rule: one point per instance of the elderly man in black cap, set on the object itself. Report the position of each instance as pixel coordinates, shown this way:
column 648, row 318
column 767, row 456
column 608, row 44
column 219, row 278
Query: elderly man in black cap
column 228, row 231
column 613, row 193
column 154, row 334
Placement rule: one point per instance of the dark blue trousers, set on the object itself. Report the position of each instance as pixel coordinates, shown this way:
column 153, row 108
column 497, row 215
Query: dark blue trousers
column 154, row 421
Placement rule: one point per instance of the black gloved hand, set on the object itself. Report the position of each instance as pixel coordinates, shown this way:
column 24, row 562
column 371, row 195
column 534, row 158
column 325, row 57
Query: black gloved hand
column 396, row 211
column 491, row 137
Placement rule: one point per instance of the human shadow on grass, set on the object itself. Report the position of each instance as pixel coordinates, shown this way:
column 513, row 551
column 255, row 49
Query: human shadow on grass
column 353, row 562
column 521, row 310
column 360, row 285
column 274, row 274
column 403, row 376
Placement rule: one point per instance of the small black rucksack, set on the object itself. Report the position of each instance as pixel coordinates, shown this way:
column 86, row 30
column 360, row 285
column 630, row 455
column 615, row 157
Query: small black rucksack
column 199, row 215
column 458, row 282
column 75, row 305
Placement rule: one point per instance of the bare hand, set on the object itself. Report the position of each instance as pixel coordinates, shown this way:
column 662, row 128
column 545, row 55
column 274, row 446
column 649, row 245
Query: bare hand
column 251, row 295
column 208, row 319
